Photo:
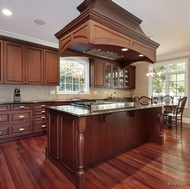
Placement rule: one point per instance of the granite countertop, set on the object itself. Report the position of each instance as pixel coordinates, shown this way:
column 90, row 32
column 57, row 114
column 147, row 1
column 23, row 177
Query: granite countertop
column 81, row 111
column 59, row 100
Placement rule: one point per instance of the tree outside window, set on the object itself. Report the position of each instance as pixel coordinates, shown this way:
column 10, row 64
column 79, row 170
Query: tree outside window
column 73, row 75
column 171, row 80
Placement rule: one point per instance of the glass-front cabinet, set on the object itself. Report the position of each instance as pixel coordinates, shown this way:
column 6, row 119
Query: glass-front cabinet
column 109, row 75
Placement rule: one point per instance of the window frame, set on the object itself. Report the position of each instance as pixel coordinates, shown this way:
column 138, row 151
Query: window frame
column 85, row 62
column 166, row 63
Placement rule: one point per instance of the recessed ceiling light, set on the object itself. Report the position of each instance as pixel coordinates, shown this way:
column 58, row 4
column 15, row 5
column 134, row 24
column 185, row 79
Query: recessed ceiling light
column 141, row 55
column 6, row 12
column 39, row 22
column 124, row 49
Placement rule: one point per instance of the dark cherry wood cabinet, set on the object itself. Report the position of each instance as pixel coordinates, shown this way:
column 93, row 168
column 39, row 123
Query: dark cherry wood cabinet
column 14, row 63
column 1, row 61
column 130, row 77
column 109, row 75
column 51, row 68
column 39, row 117
column 28, row 63
column 34, row 66
column 15, row 121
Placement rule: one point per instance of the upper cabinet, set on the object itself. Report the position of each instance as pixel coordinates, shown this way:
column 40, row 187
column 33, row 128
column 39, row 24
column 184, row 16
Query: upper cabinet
column 34, row 66
column 24, row 63
column 109, row 75
column 51, row 68
column 14, row 63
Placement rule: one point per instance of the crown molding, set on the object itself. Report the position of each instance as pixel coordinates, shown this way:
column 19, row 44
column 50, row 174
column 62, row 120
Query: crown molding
column 28, row 39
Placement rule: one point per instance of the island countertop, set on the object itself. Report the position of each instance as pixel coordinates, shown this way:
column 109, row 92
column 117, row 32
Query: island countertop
column 84, row 111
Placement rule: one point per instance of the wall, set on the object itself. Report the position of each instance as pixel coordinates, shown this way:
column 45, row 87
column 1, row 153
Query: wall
column 36, row 93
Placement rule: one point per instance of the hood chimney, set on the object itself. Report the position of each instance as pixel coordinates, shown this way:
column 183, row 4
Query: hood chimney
column 105, row 30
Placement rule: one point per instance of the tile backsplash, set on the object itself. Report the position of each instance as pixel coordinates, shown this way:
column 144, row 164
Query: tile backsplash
column 31, row 93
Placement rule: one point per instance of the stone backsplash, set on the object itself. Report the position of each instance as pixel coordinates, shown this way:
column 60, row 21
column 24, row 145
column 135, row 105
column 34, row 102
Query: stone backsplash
column 31, row 93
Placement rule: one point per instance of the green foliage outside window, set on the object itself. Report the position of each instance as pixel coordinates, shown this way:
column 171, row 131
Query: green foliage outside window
column 72, row 76
column 171, row 81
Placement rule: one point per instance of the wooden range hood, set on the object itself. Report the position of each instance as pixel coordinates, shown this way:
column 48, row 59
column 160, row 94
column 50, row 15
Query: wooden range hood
column 101, row 30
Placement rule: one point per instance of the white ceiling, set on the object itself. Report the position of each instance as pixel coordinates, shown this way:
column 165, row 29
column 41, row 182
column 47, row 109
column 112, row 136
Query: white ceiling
column 166, row 20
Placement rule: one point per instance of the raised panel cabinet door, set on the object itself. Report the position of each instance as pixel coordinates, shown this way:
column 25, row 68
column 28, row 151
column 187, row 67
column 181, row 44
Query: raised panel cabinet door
column 99, row 74
column 14, row 63
column 1, row 61
column 51, row 69
column 34, row 65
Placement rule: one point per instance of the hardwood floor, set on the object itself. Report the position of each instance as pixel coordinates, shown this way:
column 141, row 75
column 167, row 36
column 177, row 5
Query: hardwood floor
column 23, row 166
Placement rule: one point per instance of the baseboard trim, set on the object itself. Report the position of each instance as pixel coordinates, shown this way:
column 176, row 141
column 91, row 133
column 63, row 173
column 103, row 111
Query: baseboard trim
column 186, row 120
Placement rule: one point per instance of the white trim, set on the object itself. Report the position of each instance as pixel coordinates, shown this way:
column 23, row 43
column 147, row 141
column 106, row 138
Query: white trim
column 29, row 39
column 186, row 120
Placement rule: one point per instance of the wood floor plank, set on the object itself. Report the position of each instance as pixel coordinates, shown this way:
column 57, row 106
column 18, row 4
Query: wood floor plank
column 23, row 166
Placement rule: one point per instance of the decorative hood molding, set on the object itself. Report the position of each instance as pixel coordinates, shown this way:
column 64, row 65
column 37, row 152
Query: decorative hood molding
column 101, row 30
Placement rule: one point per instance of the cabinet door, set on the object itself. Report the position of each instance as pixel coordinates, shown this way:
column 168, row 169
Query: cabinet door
column 14, row 58
column 130, row 77
column 108, row 75
column 99, row 74
column 34, row 65
column 51, row 69
column 1, row 61
column 115, row 75
column 53, row 134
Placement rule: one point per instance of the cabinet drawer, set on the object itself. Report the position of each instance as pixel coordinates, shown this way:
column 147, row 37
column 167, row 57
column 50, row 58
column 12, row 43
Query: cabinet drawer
column 5, row 107
column 40, row 117
column 40, row 127
column 21, row 106
column 41, row 105
column 22, row 129
column 4, row 118
column 21, row 116
column 4, row 132
column 40, row 112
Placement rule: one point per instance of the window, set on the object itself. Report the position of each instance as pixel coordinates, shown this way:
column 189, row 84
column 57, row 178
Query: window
column 74, row 75
column 170, row 78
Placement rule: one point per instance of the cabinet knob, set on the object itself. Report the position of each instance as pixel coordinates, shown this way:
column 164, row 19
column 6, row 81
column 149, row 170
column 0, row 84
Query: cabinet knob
column 43, row 105
column 43, row 126
column 21, row 116
column 21, row 107
column 0, row 133
column 21, row 129
column 43, row 111
column 0, row 118
column 43, row 117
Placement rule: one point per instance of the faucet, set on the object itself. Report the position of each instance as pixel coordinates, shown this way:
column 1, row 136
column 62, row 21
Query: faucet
column 78, row 95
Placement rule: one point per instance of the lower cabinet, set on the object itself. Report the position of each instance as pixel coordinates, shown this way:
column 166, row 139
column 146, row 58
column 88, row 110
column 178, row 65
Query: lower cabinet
column 39, row 117
column 15, row 121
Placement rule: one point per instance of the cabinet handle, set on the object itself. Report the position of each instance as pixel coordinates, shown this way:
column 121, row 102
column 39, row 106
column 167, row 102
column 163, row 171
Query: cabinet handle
column 43, row 126
column 43, row 111
column 43, row 117
column 43, row 105
column 21, row 129
column 21, row 116
column 21, row 107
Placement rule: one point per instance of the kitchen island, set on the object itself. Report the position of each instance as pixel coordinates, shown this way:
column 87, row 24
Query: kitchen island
column 80, row 138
